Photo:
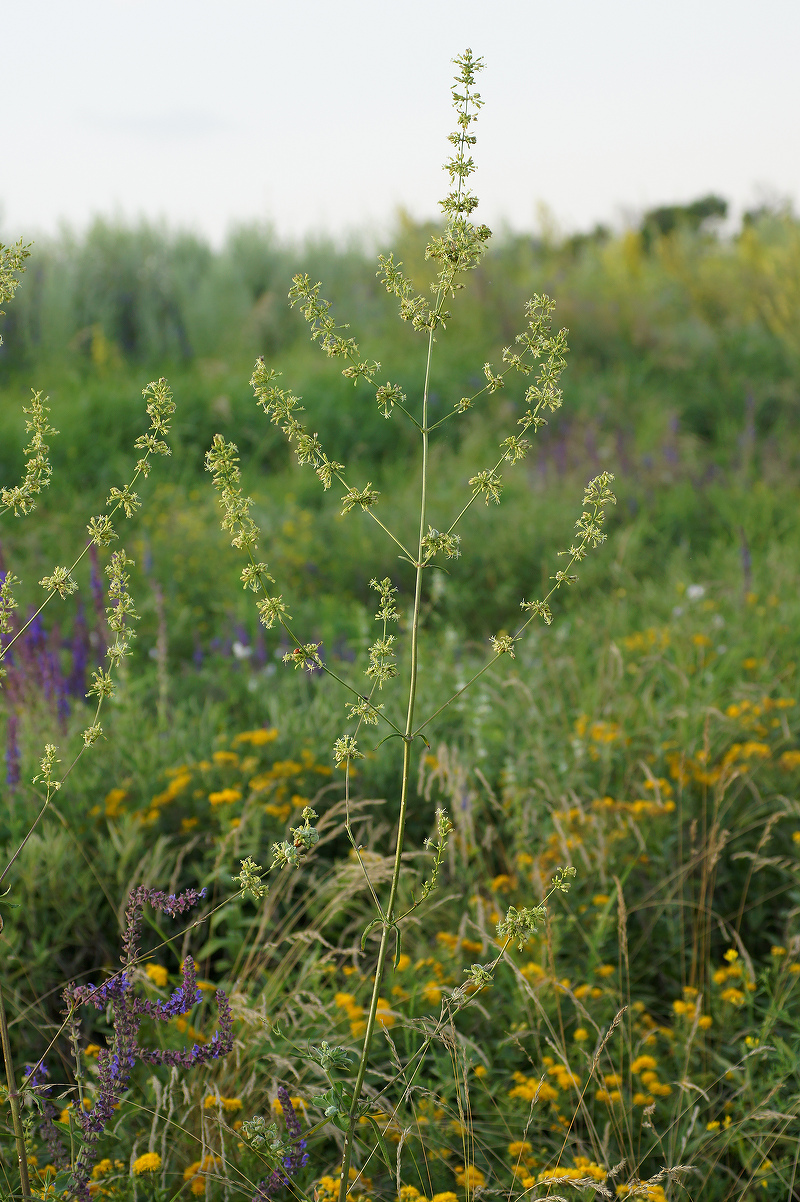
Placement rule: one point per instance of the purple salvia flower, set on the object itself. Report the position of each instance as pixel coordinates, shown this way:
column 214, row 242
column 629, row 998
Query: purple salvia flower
column 76, row 681
column 12, row 750
column 265, row 1189
column 116, row 1063
column 298, row 1157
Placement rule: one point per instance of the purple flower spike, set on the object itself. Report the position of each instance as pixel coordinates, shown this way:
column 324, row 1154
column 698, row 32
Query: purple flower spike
column 115, row 1063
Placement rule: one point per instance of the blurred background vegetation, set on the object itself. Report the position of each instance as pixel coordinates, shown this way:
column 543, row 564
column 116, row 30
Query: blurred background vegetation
column 659, row 671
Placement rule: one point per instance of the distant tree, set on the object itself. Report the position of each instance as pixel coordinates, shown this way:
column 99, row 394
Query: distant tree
column 668, row 218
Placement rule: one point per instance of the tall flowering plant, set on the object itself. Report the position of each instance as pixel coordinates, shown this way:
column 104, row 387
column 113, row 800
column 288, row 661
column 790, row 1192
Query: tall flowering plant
column 539, row 357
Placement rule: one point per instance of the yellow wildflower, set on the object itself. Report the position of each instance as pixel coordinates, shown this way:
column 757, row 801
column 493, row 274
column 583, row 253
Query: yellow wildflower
column 224, row 797
column 113, row 801
column 150, row 1162
column 256, row 738
column 581, row 1035
column 518, row 1148
column 432, row 993
column 450, row 941
column 225, row 758
column 157, row 974
column 469, row 1178
column 383, row 1013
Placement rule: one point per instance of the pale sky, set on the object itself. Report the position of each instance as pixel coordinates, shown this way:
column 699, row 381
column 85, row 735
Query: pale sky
column 328, row 116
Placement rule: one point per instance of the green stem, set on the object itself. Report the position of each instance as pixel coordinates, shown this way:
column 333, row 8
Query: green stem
column 401, row 822
column 13, row 1098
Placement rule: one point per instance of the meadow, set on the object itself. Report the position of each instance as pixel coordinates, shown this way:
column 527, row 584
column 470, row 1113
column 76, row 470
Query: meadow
column 645, row 1040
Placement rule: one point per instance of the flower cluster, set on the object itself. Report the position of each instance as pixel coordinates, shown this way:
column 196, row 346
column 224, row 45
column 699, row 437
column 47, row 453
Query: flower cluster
column 115, row 1063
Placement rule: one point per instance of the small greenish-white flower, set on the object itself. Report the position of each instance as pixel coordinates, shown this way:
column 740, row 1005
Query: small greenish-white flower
column 326, row 469
column 515, row 362
column 436, row 541
column 361, row 371
column 514, row 448
column 250, row 880
column 305, row 656
column 125, row 497
column 346, row 749
column 388, row 609
column 252, row 576
column 365, row 497
column 494, row 382
column 503, row 644
column 479, row 976
column 563, row 878
column 118, row 650
column 304, row 838
column 539, row 609
column 46, row 767
column 8, row 602
column 365, row 710
column 382, row 667
column 92, row 734
column 101, row 530
column 520, row 925
column 38, row 471
column 160, row 407
column 222, row 461
column 487, row 483
column 123, row 607
column 60, row 582
column 102, row 685
column 387, row 396
column 271, row 610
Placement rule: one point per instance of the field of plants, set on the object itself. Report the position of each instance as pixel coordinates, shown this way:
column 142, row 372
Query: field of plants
column 586, row 980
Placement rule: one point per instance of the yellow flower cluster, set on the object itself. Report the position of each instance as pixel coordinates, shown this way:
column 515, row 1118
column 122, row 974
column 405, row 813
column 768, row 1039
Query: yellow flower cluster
column 150, row 1162
column 651, row 1193
column 229, row 1105
column 358, row 1023
column 285, row 780
column 256, row 738
column 528, row 1088
column 581, row 1169
column 687, row 1007
column 648, row 641
column 452, row 942
column 469, row 1178
column 327, row 1188
column 410, row 1193
column 157, row 974
column 194, row 1173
